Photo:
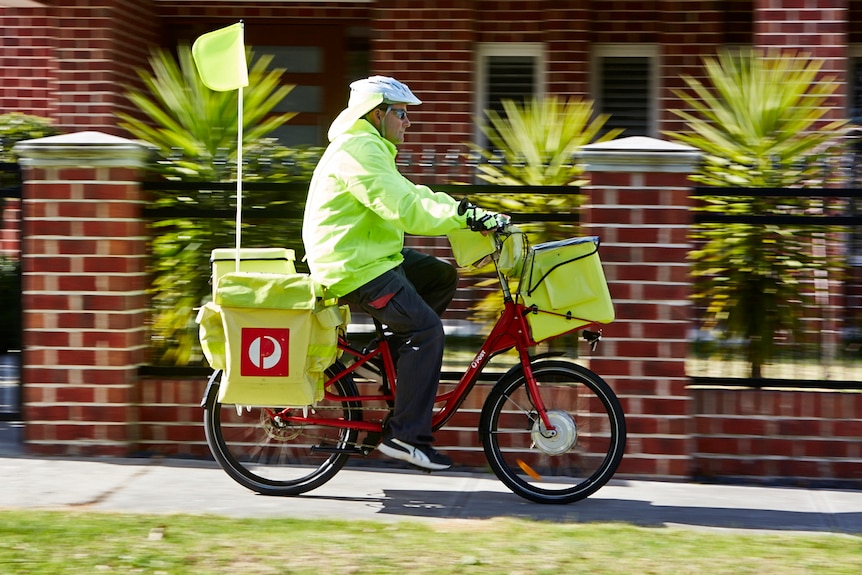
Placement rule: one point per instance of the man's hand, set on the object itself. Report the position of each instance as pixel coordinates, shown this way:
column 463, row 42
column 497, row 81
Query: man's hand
column 480, row 220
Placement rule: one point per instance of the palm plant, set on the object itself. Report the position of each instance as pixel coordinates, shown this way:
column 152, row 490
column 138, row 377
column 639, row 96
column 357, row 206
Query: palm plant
column 533, row 144
column 194, row 131
column 195, row 128
column 757, row 124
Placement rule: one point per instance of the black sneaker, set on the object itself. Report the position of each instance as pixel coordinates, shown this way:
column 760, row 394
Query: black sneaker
column 423, row 456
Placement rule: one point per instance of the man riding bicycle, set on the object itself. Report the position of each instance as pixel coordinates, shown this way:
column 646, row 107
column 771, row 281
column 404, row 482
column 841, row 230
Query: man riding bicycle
column 359, row 207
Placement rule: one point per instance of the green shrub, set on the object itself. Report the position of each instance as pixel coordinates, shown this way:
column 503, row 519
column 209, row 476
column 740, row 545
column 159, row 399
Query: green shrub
column 16, row 127
column 758, row 119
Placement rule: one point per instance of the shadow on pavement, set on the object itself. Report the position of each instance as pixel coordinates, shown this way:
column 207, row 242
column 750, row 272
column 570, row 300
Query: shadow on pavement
column 488, row 505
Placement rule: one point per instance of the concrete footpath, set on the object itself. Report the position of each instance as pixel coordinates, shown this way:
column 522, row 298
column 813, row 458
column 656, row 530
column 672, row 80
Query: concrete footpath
column 167, row 486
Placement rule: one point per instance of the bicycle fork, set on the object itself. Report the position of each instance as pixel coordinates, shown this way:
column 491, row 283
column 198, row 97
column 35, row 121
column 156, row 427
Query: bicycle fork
column 591, row 337
column 535, row 394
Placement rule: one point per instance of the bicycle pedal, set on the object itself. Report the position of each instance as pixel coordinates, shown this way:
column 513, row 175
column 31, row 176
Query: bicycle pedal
column 373, row 439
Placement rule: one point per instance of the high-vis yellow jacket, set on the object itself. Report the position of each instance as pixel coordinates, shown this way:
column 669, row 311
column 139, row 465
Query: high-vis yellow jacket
column 359, row 207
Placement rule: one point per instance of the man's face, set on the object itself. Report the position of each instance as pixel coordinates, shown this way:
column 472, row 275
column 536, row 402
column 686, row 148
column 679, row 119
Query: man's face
column 394, row 123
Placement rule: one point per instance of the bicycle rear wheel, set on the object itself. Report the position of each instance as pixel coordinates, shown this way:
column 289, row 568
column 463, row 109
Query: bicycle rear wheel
column 275, row 457
column 574, row 462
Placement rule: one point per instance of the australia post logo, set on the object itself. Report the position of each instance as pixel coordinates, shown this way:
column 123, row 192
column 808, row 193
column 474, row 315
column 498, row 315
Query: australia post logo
column 265, row 352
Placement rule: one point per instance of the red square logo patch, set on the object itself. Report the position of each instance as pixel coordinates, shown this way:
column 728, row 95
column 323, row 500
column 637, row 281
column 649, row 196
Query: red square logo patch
column 265, row 352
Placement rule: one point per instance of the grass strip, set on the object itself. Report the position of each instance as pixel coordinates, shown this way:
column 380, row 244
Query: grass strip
column 71, row 543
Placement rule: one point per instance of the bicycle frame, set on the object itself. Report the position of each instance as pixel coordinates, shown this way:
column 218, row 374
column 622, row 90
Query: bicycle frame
column 510, row 331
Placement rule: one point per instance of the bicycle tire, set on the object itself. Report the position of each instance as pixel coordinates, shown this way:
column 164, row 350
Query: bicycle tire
column 588, row 446
column 276, row 458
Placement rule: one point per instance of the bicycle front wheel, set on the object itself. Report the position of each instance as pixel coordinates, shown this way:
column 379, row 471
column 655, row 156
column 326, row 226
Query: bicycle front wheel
column 263, row 452
column 578, row 457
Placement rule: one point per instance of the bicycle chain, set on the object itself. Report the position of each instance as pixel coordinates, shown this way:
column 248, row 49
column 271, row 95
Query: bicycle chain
column 318, row 408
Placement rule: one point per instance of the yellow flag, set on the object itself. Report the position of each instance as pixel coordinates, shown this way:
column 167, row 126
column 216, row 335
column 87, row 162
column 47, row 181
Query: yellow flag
column 220, row 58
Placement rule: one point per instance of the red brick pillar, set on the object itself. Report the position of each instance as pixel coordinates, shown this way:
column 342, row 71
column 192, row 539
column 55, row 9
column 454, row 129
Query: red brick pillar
column 637, row 202
column 83, row 255
column 815, row 27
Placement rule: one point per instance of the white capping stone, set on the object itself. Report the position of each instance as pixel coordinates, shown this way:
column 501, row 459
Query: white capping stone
column 82, row 149
column 638, row 154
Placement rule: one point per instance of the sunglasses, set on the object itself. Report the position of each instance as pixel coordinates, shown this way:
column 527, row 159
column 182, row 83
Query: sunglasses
column 400, row 113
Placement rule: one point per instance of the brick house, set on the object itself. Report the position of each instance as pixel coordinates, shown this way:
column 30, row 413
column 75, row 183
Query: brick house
column 70, row 60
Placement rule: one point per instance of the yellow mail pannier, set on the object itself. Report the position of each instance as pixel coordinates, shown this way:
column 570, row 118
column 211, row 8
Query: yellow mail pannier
column 261, row 260
column 273, row 335
column 564, row 283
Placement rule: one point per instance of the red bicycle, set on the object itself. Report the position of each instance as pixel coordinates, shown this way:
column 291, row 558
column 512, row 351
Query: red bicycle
column 552, row 430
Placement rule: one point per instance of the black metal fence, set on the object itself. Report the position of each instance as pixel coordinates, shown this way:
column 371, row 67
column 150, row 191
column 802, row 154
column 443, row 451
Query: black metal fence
column 272, row 216
column 828, row 354
column 279, row 206
column 831, row 358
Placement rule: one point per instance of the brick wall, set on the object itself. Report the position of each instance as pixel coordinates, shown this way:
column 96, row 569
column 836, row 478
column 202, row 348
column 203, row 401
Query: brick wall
column 798, row 436
column 566, row 34
column 27, row 63
column 98, row 46
column 688, row 33
column 818, row 28
column 409, row 43
column 170, row 419
column 71, row 61
column 81, row 391
column 85, row 315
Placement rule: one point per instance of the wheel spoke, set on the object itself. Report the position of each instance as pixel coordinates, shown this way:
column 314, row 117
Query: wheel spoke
column 575, row 460
column 274, row 456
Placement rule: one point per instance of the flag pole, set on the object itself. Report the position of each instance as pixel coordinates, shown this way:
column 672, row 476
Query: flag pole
column 238, row 176
column 239, row 158
column 220, row 59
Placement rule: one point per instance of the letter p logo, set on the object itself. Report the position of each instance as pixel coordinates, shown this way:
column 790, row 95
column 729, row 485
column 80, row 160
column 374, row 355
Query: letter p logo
column 265, row 352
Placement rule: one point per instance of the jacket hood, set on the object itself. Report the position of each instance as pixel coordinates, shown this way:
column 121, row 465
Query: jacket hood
column 356, row 108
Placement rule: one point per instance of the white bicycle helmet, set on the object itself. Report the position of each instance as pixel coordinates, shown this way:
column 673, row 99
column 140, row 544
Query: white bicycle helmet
column 365, row 95
column 393, row 91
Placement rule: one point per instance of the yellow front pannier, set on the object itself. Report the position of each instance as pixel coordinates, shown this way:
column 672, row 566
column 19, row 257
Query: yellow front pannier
column 564, row 283
column 474, row 250
column 273, row 335
column 471, row 249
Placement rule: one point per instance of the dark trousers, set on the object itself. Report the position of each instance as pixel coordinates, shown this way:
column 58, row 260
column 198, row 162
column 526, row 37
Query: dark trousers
column 409, row 300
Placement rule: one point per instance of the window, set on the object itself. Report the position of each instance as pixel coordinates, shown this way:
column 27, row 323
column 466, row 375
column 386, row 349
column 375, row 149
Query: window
column 625, row 86
column 508, row 71
column 319, row 61
column 854, row 81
